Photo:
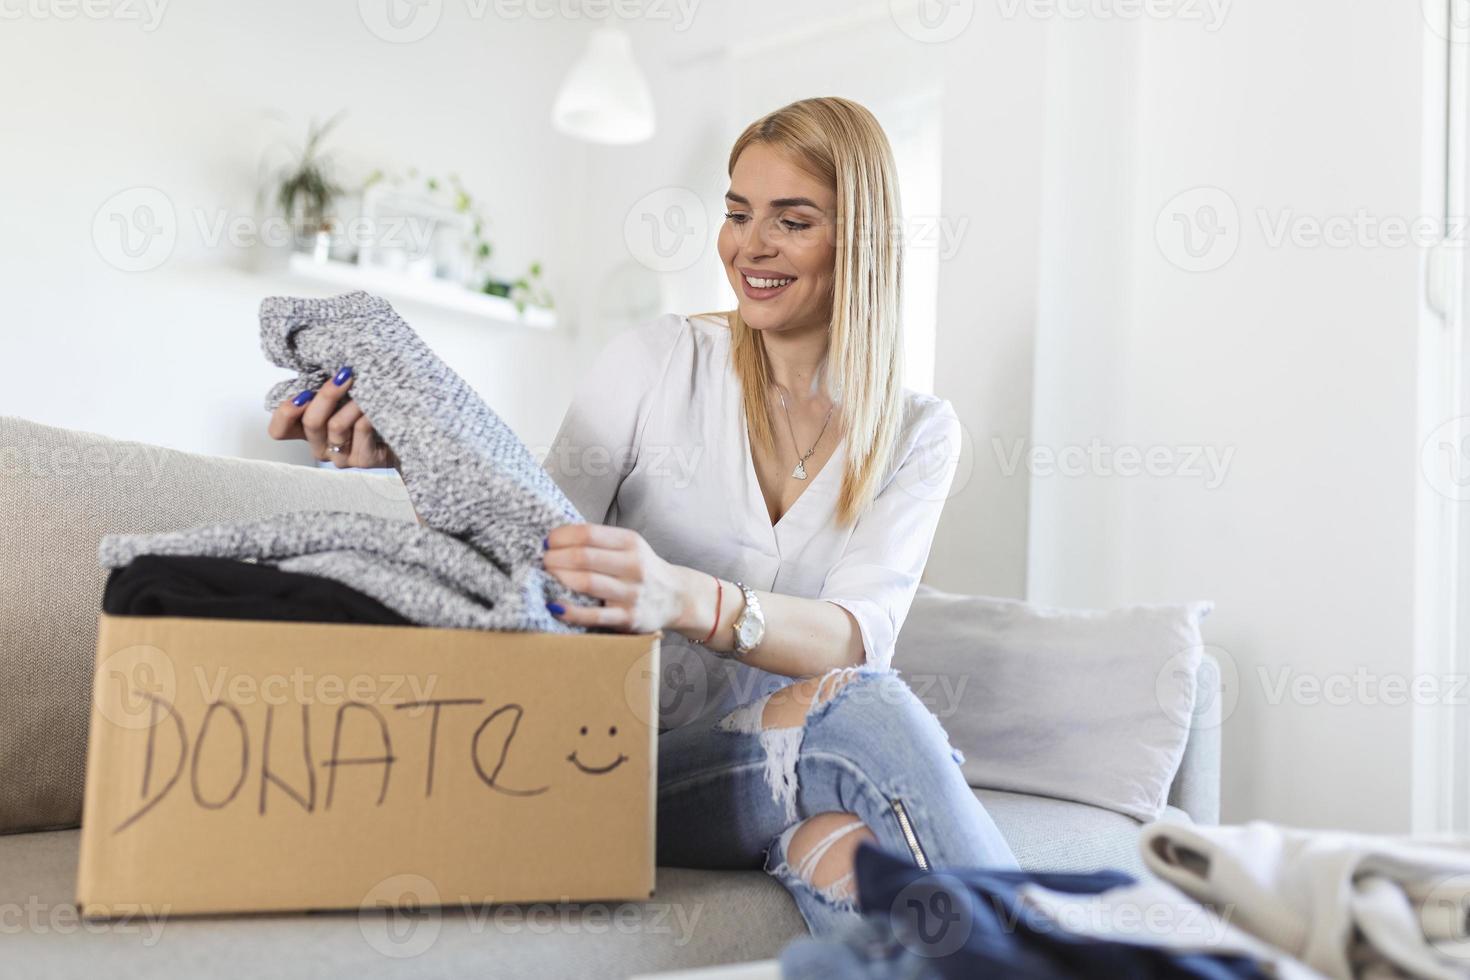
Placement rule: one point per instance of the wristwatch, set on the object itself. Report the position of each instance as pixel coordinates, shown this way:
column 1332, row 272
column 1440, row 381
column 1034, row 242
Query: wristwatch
column 750, row 625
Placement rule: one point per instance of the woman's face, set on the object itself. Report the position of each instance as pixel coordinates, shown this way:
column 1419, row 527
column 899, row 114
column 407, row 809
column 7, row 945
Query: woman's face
column 779, row 232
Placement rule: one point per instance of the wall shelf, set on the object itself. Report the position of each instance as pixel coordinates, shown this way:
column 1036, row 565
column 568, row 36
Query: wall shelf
column 430, row 292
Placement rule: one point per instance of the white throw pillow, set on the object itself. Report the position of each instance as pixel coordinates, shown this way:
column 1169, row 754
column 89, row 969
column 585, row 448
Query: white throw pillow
column 1091, row 706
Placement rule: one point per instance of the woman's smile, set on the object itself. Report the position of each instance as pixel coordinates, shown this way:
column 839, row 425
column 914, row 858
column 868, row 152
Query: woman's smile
column 763, row 285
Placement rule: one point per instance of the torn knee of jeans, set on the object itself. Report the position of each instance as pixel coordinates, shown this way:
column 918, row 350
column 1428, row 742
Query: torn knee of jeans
column 782, row 745
column 840, row 892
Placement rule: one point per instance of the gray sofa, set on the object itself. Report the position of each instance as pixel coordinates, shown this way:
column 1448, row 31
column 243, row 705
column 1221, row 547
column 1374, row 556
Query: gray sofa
column 60, row 490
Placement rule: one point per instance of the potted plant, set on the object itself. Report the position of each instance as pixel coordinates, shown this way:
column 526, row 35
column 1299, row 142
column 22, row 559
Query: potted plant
column 528, row 290
column 305, row 191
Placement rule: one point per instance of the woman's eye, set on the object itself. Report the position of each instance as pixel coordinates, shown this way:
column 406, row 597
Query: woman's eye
column 786, row 223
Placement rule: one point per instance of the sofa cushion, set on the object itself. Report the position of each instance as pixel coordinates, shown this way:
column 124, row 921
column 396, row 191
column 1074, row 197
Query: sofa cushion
column 1082, row 705
column 60, row 491
column 696, row 918
column 1059, row 835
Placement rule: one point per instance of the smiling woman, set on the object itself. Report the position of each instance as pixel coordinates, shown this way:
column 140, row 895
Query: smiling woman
column 780, row 557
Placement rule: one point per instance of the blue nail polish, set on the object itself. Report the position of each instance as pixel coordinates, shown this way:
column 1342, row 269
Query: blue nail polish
column 303, row 398
column 341, row 377
column 556, row 608
column 546, row 542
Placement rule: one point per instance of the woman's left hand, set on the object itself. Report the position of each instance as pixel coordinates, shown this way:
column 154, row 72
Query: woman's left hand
column 642, row 592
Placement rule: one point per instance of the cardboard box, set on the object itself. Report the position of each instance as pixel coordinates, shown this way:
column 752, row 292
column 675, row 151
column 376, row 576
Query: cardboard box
column 264, row 766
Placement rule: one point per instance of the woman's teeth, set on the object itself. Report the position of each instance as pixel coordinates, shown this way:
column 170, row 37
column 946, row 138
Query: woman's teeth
column 766, row 283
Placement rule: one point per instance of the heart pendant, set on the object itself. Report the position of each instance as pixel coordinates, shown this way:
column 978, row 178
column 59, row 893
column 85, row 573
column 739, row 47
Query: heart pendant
column 800, row 471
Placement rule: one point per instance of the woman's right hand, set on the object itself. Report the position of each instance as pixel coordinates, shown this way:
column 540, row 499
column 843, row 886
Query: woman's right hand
column 323, row 420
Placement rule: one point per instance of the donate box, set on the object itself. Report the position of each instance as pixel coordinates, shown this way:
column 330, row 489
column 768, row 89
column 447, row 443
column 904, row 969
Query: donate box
column 238, row 766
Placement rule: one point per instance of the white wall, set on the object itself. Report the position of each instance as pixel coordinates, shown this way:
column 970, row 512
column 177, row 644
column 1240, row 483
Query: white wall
column 1299, row 360
column 994, row 113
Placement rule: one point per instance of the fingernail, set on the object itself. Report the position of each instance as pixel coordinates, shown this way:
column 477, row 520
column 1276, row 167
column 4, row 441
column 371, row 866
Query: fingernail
column 303, row 398
column 342, row 376
column 546, row 542
column 556, row 608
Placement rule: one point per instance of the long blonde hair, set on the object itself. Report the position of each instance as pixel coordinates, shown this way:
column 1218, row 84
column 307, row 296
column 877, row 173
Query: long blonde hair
column 840, row 142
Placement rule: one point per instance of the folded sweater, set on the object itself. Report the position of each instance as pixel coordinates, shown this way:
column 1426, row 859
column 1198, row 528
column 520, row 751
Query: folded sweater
column 485, row 502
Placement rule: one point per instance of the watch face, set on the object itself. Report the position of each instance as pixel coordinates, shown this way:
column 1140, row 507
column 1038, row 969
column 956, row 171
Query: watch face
column 749, row 631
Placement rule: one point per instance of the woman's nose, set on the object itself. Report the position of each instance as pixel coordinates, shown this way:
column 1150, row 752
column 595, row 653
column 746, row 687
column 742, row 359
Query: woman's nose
column 755, row 236
column 760, row 246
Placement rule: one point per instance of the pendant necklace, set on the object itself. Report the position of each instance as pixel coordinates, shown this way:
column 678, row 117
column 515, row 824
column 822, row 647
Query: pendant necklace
column 800, row 472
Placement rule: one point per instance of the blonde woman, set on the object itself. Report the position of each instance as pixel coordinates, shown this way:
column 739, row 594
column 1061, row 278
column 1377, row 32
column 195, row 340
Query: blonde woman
column 765, row 491
column 770, row 498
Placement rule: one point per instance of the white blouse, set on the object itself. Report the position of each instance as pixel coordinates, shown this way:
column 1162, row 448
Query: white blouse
column 655, row 440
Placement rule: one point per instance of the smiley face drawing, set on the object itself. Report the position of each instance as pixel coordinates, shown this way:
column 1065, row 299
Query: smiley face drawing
column 598, row 770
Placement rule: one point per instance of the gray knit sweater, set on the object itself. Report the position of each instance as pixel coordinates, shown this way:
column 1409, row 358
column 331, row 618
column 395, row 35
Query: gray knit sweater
column 485, row 503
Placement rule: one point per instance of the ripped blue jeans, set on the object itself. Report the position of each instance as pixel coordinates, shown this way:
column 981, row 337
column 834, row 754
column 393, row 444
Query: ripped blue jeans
column 731, row 794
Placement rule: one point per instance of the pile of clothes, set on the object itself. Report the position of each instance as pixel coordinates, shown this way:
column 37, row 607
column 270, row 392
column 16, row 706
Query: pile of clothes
column 484, row 501
column 1256, row 900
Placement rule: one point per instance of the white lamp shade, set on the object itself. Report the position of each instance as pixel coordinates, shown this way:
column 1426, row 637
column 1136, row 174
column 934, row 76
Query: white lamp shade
column 605, row 98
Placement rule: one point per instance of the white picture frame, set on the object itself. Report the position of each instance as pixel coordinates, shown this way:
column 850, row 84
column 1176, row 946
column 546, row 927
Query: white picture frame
column 415, row 236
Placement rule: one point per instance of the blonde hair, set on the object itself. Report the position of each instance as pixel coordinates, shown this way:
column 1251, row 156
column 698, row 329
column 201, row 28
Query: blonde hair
column 840, row 142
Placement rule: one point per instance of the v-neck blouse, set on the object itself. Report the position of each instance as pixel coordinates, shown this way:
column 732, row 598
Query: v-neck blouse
column 655, row 440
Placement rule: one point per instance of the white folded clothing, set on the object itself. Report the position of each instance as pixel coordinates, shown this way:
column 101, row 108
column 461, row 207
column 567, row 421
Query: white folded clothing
column 1347, row 905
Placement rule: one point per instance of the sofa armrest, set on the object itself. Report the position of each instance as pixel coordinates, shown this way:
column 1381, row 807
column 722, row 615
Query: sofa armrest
column 1196, row 786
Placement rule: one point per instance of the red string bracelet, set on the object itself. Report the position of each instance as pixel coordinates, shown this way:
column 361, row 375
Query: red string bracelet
column 719, row 598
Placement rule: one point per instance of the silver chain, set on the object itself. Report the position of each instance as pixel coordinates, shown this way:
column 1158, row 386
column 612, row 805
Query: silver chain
column 801, row 463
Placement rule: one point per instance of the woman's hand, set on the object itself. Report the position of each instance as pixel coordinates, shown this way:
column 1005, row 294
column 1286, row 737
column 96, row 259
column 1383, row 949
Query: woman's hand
column 324, row 421
column 642, row 592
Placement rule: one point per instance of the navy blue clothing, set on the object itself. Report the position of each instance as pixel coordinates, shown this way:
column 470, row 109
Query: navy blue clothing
column 965, row 923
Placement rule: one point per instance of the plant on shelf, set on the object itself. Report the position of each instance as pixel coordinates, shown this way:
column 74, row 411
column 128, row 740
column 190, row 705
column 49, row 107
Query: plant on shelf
column 530, row 290
column 450, row 192
column 305, row 189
